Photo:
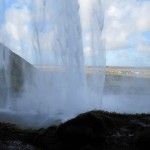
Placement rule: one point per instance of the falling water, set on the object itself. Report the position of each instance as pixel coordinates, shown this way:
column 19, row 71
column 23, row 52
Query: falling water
column 48, row 34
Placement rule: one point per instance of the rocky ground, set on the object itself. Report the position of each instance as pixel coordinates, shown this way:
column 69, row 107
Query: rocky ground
column 95, row 130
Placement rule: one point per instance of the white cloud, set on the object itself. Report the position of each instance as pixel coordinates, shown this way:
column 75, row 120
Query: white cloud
column 142, row 17
column 16, row 27
column 15, row 30
column 143, row 45
column 17, row 21
column 123, row 19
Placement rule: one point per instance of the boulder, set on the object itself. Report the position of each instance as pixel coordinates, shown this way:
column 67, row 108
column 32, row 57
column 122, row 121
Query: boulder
column 85, row 129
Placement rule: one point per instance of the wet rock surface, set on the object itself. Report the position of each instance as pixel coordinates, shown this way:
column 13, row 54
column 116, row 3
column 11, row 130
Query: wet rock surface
column 16, row 145
column 94, row 130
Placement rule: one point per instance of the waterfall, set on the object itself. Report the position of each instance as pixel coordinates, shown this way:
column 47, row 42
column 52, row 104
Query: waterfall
column 49, row 34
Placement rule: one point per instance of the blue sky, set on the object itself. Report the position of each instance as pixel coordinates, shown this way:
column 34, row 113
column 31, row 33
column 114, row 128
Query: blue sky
column 126, row 30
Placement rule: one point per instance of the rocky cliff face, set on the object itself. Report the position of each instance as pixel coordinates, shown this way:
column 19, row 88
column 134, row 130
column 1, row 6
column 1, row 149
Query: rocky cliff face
column 14, row 70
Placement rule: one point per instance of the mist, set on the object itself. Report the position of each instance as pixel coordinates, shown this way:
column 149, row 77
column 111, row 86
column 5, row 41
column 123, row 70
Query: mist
column 127, row 93
column 47, row 35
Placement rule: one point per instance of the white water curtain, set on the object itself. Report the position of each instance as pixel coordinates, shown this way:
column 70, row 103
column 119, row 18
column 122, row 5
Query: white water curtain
column 52, row 34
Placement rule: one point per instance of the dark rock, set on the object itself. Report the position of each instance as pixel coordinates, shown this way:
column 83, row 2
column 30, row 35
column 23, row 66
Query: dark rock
column 87, row 147
column 9, row 131
column 94, row 130
column 83, row 134
column 16, row 145
column 96, row 123
column 44, row 138
column 87, row 128
column 143, row 140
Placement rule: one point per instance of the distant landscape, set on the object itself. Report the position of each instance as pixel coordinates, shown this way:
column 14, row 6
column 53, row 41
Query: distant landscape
column 128, row 71
column 119, row 79
column 110, row 70
column 127, row 80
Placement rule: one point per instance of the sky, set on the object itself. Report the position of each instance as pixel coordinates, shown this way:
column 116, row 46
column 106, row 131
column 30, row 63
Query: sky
column 126, row 31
